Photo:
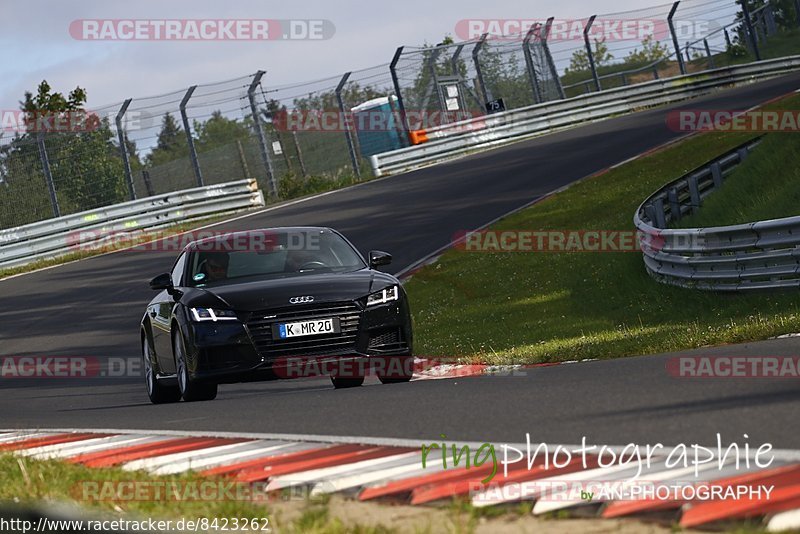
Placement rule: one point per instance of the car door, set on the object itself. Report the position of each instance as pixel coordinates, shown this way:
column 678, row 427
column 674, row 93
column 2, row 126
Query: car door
column 161, row 317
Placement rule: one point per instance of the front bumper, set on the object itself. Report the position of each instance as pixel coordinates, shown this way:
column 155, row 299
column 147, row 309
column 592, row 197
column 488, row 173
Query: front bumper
column 243, row 351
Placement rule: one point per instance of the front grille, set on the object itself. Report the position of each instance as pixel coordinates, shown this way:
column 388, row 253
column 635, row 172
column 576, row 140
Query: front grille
column 260, row 328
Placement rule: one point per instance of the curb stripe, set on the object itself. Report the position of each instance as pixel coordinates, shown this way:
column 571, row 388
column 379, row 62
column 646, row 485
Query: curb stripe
column 374, row 468
column 257, row 475
column 49, row 440
column 186, row 457
column 781, row 499
column 259, row 451
column 319, row 475
column 127, row 454
column 784, row 521
column 276, row 459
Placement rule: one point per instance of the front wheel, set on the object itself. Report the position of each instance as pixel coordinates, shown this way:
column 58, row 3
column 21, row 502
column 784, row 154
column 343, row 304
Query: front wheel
column 397, row 370
column 190, row 390
column 157, row 391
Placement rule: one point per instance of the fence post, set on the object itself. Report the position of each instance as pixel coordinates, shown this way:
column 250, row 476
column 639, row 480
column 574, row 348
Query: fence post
column 243, row 160
column 48, row 176
column 299, row 154
column 479, row 74
column 748, row 24
column 262, row 143
column 350, row 146
column 189, row 139
column 708, row 54
column 400, row 106
column 123, row 149
column 147, row 183
column 797, row 11
column 772, row 28
column 553, row 70
column 432, row 59
column 454, row 60
column 526, row 50
column 728, row 43
column 675, row 43
column 589, row 53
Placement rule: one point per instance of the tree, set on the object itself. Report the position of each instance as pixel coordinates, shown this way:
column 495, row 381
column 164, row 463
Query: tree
column 580, row 59
column 219, row 130
column 84, row 162
column 171, row 143
column 652, row 51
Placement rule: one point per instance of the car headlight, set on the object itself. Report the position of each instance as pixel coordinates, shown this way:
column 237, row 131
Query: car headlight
column 382, row 297
column 210, row 314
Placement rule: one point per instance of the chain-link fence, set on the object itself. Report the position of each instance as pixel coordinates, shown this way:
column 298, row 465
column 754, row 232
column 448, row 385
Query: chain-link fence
column 301, row 138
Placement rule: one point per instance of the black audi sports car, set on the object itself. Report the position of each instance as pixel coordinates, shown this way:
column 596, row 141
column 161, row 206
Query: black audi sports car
column 273, row 303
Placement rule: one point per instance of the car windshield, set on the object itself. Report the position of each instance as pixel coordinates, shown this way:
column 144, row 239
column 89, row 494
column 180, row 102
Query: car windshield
column 270, row 254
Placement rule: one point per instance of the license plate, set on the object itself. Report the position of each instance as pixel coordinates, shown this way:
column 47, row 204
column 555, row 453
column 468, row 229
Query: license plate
column 306, row 328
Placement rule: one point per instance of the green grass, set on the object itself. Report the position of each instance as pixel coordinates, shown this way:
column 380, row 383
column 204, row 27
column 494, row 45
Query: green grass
column 519, row 307
column 27, row 481
column 764, row 187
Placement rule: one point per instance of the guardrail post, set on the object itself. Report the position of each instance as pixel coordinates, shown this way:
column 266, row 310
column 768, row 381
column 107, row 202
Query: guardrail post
column 675, row 43
column 748, row 24
column 300, row 153
column 262, row 142
column 694, row 193
column 655, row 72
column 400, row 106
column 553, row 70
column 716, row 174
column 743, row 154
column 674, row 204
column 350, row 146
column 478, row 73
column 189, row 139
column 48, row 176
column 708, row 54
column 658, row 206
column 123, row 148
column 589, row 53
column 526, row 50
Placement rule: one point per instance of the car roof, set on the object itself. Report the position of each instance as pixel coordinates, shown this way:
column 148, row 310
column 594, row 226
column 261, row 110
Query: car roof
column 277, row 230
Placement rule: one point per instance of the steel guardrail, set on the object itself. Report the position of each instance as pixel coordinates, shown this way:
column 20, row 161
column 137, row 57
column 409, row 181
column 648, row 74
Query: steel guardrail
column 750, row 256
column 461, row 138
column 55, row 237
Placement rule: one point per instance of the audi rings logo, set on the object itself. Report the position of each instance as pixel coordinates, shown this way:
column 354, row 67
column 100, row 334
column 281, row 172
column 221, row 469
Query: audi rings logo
column 300, row 300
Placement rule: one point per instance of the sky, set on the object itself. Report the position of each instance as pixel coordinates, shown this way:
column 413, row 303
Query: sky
column 36, row 41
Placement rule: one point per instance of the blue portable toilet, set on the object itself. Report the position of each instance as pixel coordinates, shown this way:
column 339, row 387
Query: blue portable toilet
column 376, row 127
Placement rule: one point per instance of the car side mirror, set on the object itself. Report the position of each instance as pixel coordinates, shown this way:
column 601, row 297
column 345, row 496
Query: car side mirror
column 378, row 258
column 162, row 281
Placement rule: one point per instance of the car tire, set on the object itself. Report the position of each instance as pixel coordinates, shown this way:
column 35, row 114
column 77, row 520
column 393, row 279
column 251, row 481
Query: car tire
column 191, row 390
column 405, row 367
column 158, row 392
column 344, row 383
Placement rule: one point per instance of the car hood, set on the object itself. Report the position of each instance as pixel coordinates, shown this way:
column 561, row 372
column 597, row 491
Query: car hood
column 256, row 295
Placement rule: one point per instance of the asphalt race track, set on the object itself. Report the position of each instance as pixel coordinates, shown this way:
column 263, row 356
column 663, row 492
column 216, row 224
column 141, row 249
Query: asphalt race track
column 92, row 308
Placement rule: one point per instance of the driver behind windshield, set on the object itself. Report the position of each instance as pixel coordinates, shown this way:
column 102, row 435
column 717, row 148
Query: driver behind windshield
column 214, row 266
